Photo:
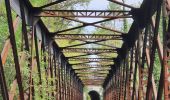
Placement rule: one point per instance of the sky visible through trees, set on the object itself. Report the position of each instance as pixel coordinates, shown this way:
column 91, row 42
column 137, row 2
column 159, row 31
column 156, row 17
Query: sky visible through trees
column 102, row 5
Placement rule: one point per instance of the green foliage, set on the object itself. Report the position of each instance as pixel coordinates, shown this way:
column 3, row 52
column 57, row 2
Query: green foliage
column 37, row 3
column 3, row 25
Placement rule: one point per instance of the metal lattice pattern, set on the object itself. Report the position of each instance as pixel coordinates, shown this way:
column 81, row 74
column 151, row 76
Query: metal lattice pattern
column 123, row 63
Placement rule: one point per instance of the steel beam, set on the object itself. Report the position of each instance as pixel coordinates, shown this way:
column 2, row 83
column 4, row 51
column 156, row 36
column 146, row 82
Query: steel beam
column 14, row 48
column 91, row 59
column 152, row 57
column 83, row 13
column 87, row 65
column 96, row 72
column 88, row 50
column 88, row 36
column 82, row 75
column 91, row 70
column 107, row 63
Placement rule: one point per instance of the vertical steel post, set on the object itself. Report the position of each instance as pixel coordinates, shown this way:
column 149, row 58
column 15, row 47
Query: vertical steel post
column 14, row 48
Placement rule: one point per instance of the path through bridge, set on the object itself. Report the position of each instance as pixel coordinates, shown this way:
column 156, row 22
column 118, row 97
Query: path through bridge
column 132, row 65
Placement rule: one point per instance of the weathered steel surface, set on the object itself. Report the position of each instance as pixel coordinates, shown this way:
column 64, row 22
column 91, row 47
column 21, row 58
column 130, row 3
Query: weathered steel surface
column 83, row 13
column 128, row 76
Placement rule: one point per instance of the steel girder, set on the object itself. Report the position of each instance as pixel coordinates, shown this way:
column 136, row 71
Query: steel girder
column 88, row 37
column 89, row 50
column 83, row 13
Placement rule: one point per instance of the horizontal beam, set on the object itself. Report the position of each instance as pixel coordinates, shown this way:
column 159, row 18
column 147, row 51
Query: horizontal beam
column 96, row 63
column 86, row 69
column 90, row 59
column 92, row 80
column 84, row 75
column 86, row 78
column 80, row 74
column 89, row 36
column 95, row 72
column 92, row 63
column 92, row 67
column 91, row 77
column 91, row 70
column 93, row 83
column 81, row 13
column 89, row 50
column 87, row 65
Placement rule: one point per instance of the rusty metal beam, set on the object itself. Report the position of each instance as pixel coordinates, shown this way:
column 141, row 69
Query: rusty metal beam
column 37, row 56
column 89, row 36
column 83, row 13
column 14, row 48
column 96, row 84
column 104, row 68
column 87, row 65
column 91, row 69
column 88, row 50
column 91, row 63
column 152, row 57
column 24, row 28
column 96, row 72
column 82, row 75
column 91, row 59
column 96, row 63
column 93, row 80
column 166, row 48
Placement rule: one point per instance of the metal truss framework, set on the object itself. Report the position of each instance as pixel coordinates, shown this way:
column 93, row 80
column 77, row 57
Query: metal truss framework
column 127, row 76
column 89, row 50
column 88, row 37
column 83, row 13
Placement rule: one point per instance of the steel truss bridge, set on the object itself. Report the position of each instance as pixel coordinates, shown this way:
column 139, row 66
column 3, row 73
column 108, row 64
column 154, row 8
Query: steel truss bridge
column 125, row 72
